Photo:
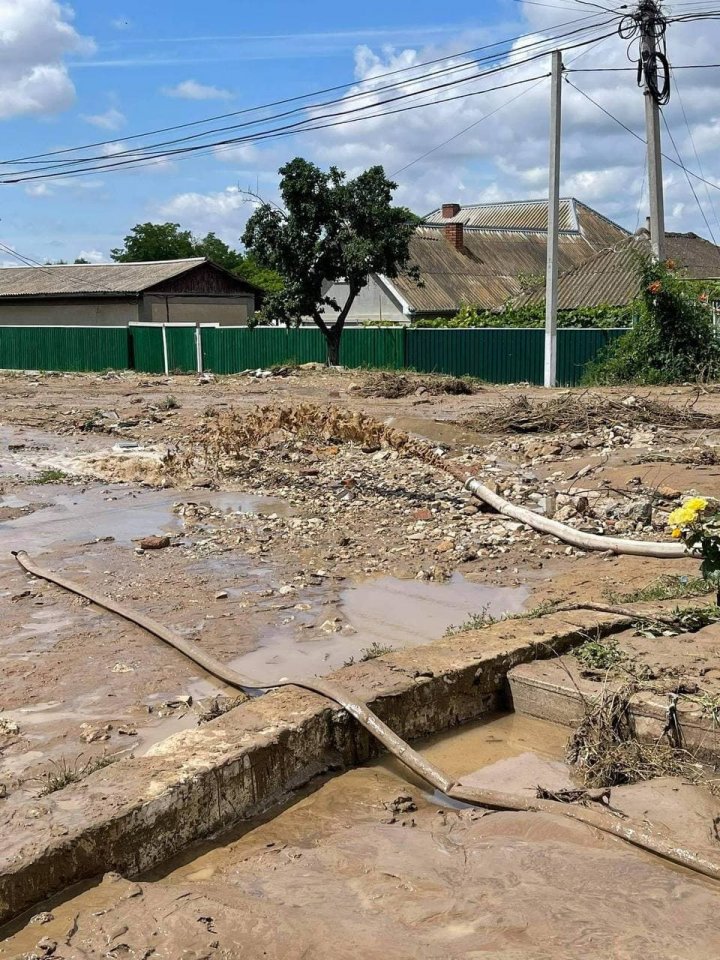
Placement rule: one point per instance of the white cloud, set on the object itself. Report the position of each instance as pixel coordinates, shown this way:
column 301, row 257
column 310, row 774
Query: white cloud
column 35, row 36
column 505, row 156
column 225, row 212
column 94, row 256
column 192, row 90
column 112, row 119
column 121, row 23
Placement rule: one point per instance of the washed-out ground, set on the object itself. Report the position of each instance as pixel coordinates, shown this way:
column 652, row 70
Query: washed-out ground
column 304, row 554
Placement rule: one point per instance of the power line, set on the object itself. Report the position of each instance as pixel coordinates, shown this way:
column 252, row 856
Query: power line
column 254, row 138
column 470, row 126
column 642, row 192
column 137, row 158
column 687, row 176
column 685, row 66
column 475, row 123
column 637, row 135
column 695, row 150
column 145, row 150
column 317, row 93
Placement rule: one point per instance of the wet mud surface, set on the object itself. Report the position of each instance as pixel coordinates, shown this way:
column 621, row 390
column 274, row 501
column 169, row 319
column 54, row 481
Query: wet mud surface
column 312, row 555
column 370, row 865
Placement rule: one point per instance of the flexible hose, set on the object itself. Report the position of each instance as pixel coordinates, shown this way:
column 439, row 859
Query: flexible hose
column 358, row 709
column 585, row 541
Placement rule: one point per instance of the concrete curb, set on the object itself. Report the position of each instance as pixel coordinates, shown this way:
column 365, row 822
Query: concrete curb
column 139, row 812
column 544, row 690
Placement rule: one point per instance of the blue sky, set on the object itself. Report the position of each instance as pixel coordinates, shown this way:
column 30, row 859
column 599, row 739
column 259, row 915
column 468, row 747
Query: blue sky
column 87, row 71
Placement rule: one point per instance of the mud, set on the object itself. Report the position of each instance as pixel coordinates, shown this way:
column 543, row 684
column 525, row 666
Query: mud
column 308, row 557
column 368, row 866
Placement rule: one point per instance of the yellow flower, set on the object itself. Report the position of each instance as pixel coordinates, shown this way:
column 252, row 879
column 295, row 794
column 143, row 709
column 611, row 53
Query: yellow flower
column 681, row 517
column 677, row 532
column 696, row 503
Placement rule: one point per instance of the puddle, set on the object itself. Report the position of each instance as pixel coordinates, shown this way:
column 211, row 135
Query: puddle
column 388, row 612
column 446, row 432
column 85, row 514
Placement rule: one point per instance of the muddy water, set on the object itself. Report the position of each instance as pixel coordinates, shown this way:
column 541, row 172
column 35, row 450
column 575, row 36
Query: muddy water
column 387, row 612
column 344, row 872
column 86, row 514
column 445, row 432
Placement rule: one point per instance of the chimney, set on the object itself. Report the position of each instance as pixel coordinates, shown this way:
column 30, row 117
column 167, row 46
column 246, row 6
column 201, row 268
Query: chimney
column 454, row 235
column 450, row 210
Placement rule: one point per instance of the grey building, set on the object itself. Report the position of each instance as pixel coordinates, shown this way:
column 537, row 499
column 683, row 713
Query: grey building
column 117, row 294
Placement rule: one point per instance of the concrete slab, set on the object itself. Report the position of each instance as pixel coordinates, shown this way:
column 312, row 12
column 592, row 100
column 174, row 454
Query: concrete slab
column 549, row 691
column 139, row 812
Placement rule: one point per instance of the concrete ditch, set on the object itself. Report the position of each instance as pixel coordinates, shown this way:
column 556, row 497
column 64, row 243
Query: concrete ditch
column 139, row 812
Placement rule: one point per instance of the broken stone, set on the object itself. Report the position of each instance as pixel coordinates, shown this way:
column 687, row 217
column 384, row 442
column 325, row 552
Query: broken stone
column 42, row 918
column 122, row 668
column 221, row 595
column 94, row 734
column 154, row 543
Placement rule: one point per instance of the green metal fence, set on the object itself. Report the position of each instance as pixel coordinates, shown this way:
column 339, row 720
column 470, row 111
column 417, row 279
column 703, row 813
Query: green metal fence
column 577, row 348
column 493, row 354
column 81, row 349
column 496, row 355
column 146, row 349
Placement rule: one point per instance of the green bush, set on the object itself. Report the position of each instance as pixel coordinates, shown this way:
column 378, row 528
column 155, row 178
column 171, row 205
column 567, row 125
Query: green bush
column 672, row 341
column 533, row 315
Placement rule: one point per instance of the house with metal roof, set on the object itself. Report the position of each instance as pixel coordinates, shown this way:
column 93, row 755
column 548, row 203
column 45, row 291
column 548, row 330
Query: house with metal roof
column 116, row 294
column 482, row 255
column 610, row 277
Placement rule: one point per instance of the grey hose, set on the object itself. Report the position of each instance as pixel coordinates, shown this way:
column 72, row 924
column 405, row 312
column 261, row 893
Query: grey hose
column 358, row 709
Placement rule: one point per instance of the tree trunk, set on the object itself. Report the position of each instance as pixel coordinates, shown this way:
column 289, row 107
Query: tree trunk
column 333, row 346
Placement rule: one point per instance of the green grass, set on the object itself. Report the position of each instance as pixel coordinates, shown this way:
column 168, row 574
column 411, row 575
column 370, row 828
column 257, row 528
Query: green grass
column 688, row 620
column 169, row 403
column 50, row 476
column 600, row 654
column 372, row 652
column 670, row 587
column 476, row 621
column 63, row 773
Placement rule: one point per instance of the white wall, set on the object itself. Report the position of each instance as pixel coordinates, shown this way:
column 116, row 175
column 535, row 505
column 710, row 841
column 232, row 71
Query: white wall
column 372, row 303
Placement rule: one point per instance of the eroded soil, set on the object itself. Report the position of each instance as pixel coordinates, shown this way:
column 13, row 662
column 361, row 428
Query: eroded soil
column 307, row 554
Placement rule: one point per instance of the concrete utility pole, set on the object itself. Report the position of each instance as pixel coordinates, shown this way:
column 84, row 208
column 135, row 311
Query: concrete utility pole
column 650, row 18
column 551, row 279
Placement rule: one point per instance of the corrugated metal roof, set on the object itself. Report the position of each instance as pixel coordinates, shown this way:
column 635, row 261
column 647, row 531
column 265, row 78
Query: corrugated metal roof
column 517, row 215
column 611, row 276
column 85, row 279
column 488, row 271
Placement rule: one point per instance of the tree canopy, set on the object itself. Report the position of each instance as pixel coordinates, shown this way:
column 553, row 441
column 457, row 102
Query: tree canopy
column 168, row 241
column 331, row 229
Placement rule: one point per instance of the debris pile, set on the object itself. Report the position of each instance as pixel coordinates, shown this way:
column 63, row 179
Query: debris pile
column 391, row 386
column 606, row 751
column 587, row 412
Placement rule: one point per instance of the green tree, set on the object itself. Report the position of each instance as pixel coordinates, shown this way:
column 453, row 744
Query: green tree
column 219, row 252
column 331, row 229
column 168, row 241
column 155, row 241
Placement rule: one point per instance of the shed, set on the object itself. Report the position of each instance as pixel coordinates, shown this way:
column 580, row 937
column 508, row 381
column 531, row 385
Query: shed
column 116, row 294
